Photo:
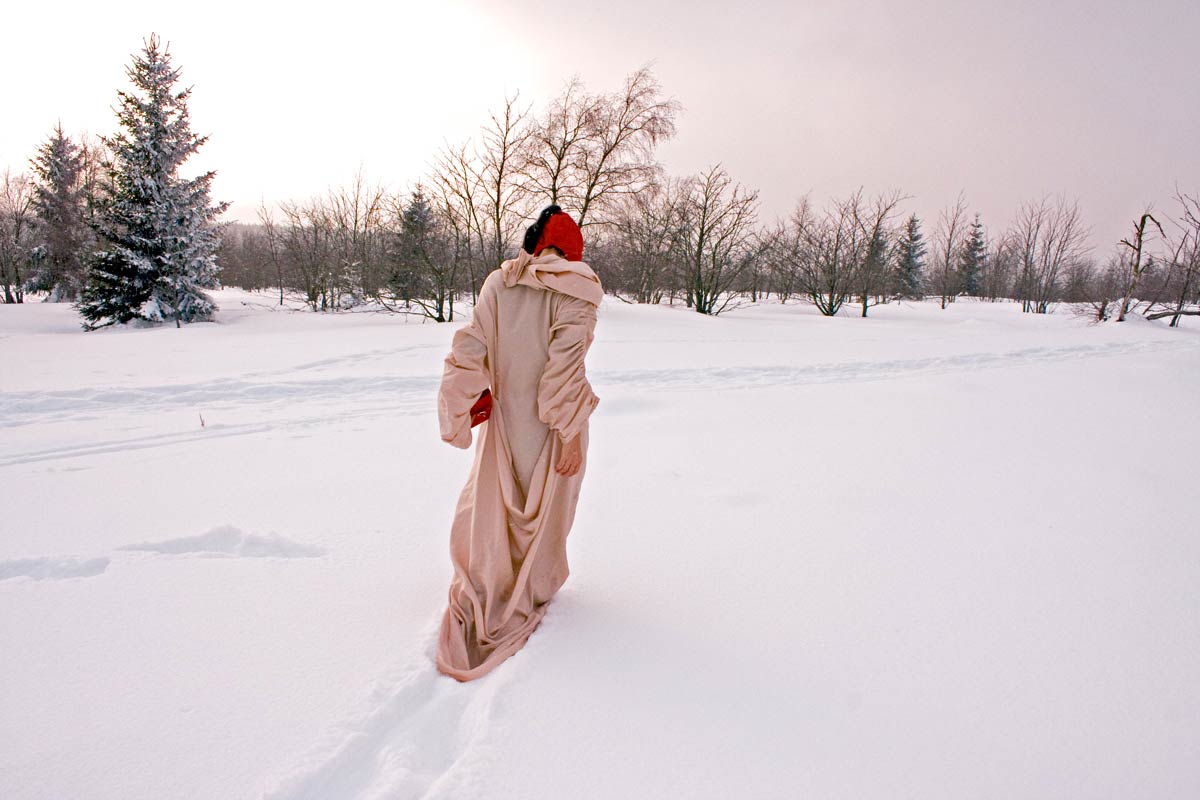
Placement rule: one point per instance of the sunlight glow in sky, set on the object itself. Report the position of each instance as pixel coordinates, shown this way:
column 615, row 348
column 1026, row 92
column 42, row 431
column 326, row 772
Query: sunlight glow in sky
column 1004, row 101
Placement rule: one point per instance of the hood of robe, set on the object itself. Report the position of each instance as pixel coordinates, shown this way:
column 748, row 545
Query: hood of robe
column 552, row 273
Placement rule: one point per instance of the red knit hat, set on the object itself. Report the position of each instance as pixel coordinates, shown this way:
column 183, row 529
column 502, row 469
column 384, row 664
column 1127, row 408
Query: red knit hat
column 562, row 232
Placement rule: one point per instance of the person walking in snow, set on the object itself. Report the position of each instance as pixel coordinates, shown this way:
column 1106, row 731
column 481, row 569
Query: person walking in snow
column 529, row 333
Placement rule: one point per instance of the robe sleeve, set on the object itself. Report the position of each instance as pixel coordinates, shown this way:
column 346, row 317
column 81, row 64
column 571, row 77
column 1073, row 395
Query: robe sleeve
column 464, row 377
column 565, row 399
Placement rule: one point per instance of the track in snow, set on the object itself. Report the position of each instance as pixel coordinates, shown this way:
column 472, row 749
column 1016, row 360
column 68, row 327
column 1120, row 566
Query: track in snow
column 273, row 403
column 417, row 727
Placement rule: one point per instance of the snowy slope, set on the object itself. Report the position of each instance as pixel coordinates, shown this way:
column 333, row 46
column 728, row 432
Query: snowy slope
column 924, row 554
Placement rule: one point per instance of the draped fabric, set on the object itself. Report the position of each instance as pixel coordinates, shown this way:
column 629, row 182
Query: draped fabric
column 552, row 272
column 530, row 331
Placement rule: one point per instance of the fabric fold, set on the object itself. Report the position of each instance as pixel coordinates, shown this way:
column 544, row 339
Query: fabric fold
column 464, row 377
column 550, row 272
column 565, row 398
column 527, row 341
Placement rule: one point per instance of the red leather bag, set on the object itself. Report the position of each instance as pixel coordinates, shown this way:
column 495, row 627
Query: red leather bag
column 482, row 408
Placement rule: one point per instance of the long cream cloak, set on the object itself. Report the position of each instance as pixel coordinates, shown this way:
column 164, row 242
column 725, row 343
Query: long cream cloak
column 530, row 331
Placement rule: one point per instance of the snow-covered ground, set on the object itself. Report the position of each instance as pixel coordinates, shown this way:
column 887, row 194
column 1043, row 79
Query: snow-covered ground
column 928, row 554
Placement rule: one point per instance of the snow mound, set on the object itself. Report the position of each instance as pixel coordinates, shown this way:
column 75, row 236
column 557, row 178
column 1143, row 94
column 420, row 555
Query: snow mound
column 52, row 568
column 226, row 540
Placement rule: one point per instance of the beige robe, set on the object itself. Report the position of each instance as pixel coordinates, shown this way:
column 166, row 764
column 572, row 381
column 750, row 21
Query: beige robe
column 528, row 335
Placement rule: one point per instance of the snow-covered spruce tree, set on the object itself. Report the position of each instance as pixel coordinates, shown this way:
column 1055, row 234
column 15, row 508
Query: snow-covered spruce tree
column 63, row 238
column 971, row 259
column 910, row 260
column 160, row 230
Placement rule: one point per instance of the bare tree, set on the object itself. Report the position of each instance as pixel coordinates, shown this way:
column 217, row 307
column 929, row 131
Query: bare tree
column 781, row 256
column 874, row 223
column 1047, row 237
column 457, row 199
column 947, row 242
column 95, row 186
column 1184, row 274
column 306, row 239
column 483, row 191
column 557, row 143
column 646, row 236
column 244, row 255
column 829, row 250
column 717, row 220
column 756, row 279
column 355, row 213
column 273, row 244
column 999, row 269
column 332, row 246
column 1092, row 290
column 501, row 167
column 1135, row 263
column 617, row 158
column 16, row 220
column 1103, row 288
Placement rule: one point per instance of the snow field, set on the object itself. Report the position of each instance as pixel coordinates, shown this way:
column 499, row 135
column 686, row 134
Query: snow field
column 924, row 554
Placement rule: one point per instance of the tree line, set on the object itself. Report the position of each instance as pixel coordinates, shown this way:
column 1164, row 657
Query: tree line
column 697, row 240
column 71, row 230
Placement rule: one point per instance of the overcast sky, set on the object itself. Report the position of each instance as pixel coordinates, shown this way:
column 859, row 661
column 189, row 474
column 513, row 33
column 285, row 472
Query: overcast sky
column 1005, row 101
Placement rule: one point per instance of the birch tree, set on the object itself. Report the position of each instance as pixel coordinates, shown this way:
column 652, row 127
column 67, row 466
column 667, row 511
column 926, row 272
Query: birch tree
column 617, row 157
column 557, row 142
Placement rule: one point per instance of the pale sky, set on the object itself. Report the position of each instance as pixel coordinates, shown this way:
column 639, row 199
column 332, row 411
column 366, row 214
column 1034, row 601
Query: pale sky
column 1006, row 100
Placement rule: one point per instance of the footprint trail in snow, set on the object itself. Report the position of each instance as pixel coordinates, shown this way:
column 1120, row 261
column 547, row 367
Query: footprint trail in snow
column 414, row 738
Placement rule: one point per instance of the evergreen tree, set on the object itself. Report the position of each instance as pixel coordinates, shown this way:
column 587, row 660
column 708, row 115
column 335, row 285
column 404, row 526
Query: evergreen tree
column 910, row 260
column 971, row 259
column 413, row 246
column 160, row 229
column 424, row 271
column 60, row 208
column 873, row 273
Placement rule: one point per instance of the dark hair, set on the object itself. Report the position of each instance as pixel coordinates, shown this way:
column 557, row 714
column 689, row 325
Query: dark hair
column 534, row 231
